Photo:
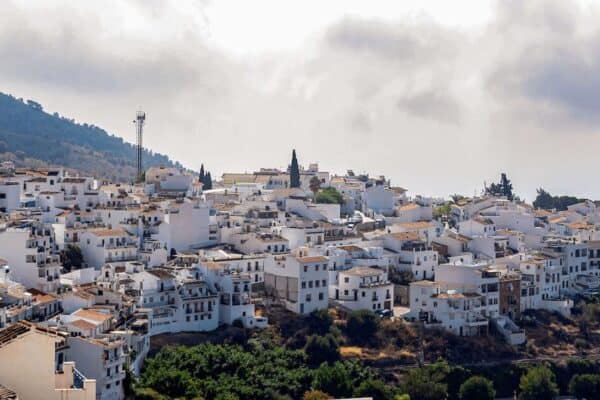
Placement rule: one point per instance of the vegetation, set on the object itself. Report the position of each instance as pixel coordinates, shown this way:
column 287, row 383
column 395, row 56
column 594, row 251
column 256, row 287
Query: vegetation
column 427, row 383
column 31, row 137
column 361, row 326
column 72, row 257
column 330, row 195
column 443, row 210
column 320, row 349
column 546, row 201
column 261, row 369
column 538, row 384
column 502, row 188
column 585, row 386
column 294, row 171
column 477, row 388
column 315, row 185
column 207, row 181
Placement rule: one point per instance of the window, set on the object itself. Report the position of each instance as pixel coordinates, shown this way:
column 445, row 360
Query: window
column 346, row 279
column 321, row 296
column 305, row 268
column 308, row 297
column 317, row 267
column 303, row 285
column 324, row 282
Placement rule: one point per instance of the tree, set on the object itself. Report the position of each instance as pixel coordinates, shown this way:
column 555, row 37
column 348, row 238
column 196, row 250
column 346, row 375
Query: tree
column 538, row 383
column 546, row 201
column 320, row 349
column 426, row 383
column 201, row 177
column 362, row 325
column 294, row 171
column 72, row 257
column 315, row 185
column 330, row 195
column 335, row 379
column 319, row 321
column 585, row 386
column 503, row 188
column 477, row 388
column 207, row 181
column 374, row 388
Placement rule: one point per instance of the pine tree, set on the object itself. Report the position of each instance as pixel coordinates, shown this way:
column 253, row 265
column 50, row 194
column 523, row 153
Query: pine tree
column 201, row 178
column 294, row 172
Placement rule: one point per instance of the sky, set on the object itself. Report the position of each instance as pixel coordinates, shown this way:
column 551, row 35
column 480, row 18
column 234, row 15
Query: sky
column 438, row 96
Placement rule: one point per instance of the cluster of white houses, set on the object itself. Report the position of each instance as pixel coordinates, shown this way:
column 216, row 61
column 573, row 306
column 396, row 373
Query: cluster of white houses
column 90, row 271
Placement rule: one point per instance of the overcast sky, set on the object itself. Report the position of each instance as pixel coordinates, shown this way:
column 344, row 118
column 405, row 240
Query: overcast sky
column 437, row 95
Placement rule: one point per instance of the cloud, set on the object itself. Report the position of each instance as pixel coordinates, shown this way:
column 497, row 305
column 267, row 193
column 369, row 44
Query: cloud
column 439, row 109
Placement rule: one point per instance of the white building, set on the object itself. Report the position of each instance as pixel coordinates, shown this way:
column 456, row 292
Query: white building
column 102, row 360
column 102, row 246
column 28, row 249
column 10, row 195
column 34, row 366
column 299, row 280
column 361, row 288
column 234, row 287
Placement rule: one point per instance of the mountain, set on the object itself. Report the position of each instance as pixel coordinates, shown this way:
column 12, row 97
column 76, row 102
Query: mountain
column 33, row 138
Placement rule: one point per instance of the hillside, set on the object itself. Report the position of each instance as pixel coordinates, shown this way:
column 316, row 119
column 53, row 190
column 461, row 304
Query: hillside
column 33, row 138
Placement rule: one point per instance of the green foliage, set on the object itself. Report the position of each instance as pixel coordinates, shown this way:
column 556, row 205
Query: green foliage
column 339, row 379
column 442, row 211
column 261, row 370
column 294, row 171
column 546, row 201
column 207, row 181
column 201, row 176
column 538, row 384
column 585, row 386
column 362, row 325
column 319, row 321
column 330, row 195
column 427, row 383
column 374, row 388
column 502, row 188
column 477, row 388
column 36, row 138
column 320, row 349
column 402, row 397
column 72, row 257
column 315, row 185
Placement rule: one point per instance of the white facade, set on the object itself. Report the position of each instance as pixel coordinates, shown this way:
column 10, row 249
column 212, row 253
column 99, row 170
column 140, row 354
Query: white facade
column 363, row 288
column 299, row 280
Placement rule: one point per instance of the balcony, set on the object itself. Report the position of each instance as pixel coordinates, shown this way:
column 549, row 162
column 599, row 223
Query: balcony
column 475, row 321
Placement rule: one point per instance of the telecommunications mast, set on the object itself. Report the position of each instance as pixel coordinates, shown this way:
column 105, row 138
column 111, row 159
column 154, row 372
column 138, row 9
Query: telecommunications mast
column 140, row 119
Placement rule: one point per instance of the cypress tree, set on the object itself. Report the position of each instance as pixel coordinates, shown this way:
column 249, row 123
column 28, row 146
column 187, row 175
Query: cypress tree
column 207, row 181
column 294, row 172
column 201, row 178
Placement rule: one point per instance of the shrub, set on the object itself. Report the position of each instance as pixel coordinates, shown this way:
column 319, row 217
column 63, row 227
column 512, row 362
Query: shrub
column 320, row 349
column 427, row 383
column 477, row 388
column 585, row 386
column 362, row 325
column 538, row 383
column 319, row 321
